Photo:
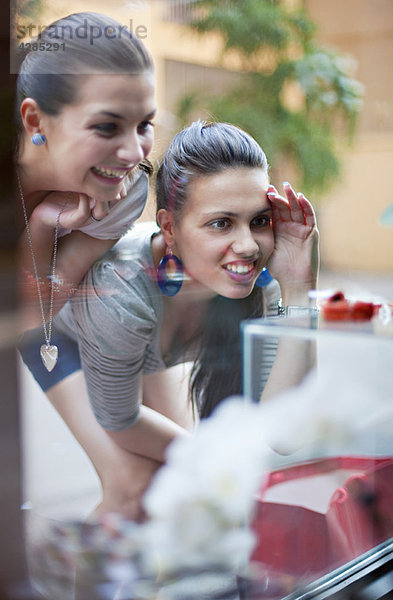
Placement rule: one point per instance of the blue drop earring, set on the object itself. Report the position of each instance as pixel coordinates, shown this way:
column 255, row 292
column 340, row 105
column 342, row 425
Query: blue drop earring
column 264, row 278
column 170, row 283
column 38, row 139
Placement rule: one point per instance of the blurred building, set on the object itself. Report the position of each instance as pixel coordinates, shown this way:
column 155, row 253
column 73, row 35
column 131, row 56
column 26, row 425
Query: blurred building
column 351, row 235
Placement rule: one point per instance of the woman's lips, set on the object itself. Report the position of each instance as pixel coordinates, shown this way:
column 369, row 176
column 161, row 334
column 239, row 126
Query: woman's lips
column 112, row 176
column 240, row 272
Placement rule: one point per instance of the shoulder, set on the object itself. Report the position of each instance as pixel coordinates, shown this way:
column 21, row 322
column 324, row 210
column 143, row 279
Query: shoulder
column 120, row 289
column 135, row 244
column 131, row 258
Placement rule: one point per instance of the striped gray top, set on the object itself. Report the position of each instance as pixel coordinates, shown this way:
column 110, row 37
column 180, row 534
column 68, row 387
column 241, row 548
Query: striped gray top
column 117, row 316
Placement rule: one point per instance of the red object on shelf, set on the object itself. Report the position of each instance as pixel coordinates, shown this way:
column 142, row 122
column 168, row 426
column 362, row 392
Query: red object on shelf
column 337, row 308
column 302, row 542
column 336, row 311
column 362, row 311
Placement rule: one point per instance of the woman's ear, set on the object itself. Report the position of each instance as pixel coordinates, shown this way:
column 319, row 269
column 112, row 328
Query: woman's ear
column 167, row 225
column 31, row 115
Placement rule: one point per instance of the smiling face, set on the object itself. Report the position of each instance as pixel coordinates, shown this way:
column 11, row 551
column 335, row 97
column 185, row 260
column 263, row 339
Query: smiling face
column 224, row 235
column 97, row 140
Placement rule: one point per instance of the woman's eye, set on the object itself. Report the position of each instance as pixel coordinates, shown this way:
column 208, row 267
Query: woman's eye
column 220, row 224
column 262, row 221
column 106, row 128
column 145, row 126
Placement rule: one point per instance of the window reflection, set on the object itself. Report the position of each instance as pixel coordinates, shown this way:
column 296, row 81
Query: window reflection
column 60, row 482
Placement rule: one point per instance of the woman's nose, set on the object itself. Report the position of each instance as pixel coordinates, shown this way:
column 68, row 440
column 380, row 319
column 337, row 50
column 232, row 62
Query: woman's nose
column 245, row 244
column 130, row 151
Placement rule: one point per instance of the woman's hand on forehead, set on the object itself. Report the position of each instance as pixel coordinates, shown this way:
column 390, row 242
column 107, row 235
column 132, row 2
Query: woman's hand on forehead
column 295, row 259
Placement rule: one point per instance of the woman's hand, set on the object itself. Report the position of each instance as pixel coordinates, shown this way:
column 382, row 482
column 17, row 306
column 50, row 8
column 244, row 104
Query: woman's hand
column 99, row 210
column 76, row 209
column 295, row 259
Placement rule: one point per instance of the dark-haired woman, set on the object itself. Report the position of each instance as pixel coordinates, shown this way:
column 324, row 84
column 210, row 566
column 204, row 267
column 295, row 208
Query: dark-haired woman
column 84, row 117
column 218, row 214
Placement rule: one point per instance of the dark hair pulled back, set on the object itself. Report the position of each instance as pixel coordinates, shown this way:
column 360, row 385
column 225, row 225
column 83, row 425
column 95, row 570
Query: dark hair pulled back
column 204, row 149
column 52, row 78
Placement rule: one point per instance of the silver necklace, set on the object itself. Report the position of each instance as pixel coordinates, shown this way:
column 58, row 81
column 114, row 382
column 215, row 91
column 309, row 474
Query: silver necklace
column 49, row 353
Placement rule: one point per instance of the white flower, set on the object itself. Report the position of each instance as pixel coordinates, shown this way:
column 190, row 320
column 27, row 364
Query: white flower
column 199, row 540
column 199, row 502
column 223, row 463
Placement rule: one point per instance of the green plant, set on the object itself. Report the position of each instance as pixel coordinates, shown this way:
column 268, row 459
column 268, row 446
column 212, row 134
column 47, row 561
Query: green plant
column 28, row 8
column 280, row 62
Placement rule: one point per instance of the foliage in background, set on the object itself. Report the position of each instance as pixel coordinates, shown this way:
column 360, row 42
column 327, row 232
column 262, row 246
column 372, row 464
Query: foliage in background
column 281, row 62
column 28, row 8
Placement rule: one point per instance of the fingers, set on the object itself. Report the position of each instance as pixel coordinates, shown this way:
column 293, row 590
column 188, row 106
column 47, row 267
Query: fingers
column 84, row 204
column 82, row 211
column 123, row 191
column 308, row 211
column 120, row 196
column 125, row 188
column 74, row 209
column 295, row 208
column 280, row 207
column 100, row 210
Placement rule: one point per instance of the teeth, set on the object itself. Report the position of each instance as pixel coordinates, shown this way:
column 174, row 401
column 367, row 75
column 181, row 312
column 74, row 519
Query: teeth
column 115, row 174
column 241, row 269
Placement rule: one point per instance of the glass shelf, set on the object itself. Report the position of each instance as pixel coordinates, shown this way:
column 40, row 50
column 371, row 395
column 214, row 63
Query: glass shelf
column 309, row 506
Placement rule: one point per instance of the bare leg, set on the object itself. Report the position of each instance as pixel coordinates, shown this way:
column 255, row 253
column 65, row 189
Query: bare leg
column 167, row 393
column 124, row 476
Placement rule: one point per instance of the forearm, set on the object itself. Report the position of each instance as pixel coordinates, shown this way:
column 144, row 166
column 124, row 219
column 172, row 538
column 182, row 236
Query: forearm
column 42, row 240
column 295, row 264
column 35, row 268
column 76, row 253
column 295, row 357
column 150, row 435
column 300, row 277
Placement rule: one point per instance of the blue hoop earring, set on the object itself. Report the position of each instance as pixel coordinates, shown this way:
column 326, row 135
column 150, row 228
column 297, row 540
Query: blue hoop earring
column 170, row 284
column 38, row 139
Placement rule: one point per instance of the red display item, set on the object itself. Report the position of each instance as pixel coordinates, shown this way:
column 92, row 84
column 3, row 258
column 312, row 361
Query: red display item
column 362, row 311
column 337, row 308
column 295, row 540
column 336, row 297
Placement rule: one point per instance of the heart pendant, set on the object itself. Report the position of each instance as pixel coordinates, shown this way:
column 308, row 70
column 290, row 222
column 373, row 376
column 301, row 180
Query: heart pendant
column 49, row 356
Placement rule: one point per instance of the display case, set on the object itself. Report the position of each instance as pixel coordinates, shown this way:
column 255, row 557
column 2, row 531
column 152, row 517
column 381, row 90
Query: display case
column 322, row 518
column 324, row 515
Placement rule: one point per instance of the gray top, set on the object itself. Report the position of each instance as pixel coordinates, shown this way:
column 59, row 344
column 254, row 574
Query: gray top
column 117, row 316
